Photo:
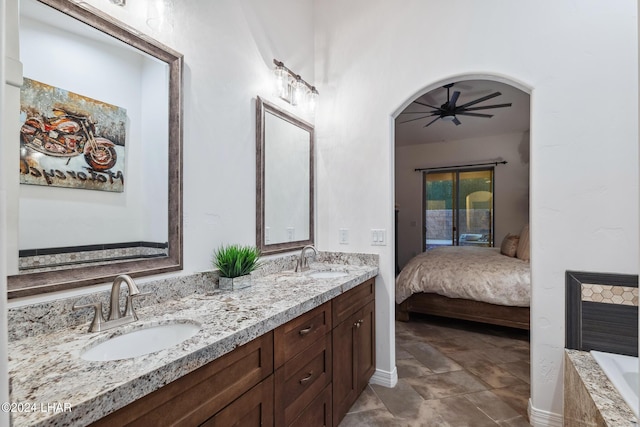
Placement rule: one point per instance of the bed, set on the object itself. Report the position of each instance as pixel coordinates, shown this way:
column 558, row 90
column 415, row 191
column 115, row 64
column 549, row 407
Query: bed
column 466, row 282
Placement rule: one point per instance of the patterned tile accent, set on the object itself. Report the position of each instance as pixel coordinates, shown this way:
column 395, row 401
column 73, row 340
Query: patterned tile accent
column 610, row 294
column 49, row 262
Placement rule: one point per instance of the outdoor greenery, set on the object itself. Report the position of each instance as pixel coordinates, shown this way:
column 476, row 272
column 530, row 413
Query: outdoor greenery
column 443, row 191
column 236, row 260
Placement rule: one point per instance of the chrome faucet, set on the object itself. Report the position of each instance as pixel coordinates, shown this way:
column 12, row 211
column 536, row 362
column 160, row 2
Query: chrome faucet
column 116, row 317
column 303, row 264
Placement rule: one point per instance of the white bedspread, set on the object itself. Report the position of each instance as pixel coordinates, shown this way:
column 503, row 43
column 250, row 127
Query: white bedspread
column 468, row 272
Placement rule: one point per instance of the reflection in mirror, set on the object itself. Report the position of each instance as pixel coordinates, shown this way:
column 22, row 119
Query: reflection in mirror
column 284, row 214
column 100, row 164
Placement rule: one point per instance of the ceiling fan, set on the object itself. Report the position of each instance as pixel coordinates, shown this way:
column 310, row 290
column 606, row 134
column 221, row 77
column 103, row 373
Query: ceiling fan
column 449, row 110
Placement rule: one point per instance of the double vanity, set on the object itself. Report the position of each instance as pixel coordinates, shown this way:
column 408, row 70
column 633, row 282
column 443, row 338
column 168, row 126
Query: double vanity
column 294, row 348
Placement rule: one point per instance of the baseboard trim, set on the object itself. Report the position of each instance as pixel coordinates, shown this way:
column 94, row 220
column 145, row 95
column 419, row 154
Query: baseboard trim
column 540, row 418
column 385, row 378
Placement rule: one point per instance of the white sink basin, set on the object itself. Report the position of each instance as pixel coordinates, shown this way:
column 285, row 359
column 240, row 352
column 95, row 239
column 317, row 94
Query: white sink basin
column 327, row 274
column 141, row 341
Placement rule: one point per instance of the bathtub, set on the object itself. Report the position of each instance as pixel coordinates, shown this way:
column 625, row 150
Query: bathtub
column 622, row 371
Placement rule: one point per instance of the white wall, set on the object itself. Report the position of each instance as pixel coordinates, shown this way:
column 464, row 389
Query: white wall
column 373, row 57
column 511, row 183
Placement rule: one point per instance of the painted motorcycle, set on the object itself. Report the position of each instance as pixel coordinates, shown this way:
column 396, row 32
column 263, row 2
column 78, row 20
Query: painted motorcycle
column 68, row 135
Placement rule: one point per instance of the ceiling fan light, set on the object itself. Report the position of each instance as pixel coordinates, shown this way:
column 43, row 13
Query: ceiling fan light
column 448, row 118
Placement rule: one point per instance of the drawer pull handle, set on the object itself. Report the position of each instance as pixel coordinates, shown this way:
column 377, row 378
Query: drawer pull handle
column 306, row 330
column 358, row 323
column 307, row 378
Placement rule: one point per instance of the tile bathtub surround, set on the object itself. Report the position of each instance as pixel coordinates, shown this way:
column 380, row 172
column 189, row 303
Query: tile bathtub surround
column 590, row 398
column 601, row 312
column 47, row 367
column 50, row 316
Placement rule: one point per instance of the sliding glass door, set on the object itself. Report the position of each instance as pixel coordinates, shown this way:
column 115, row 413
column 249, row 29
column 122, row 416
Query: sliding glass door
column 458, row 208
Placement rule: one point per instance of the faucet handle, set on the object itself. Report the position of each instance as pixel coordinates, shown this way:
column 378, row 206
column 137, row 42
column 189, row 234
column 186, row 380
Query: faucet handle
column 129, row 310
column 98, row 317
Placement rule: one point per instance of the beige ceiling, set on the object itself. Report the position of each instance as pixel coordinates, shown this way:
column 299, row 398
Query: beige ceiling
column 504, row 120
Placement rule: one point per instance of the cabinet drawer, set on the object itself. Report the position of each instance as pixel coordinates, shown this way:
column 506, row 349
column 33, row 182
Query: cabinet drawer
column 192, row 399
column 318, row 413
column 301, row 379
column 252, row 409
column 296, row 335
column 349, row 302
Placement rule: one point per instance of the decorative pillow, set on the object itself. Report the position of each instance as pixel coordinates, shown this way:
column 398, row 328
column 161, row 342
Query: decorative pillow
column 523, row 245
column 509, row 245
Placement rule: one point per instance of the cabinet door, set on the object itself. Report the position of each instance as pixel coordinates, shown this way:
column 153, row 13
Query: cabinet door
column 354, row 360
column 345, row 386
column 252, row 409
column 365, row 345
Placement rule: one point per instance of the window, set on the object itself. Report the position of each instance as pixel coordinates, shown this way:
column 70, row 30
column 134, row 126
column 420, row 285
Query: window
column 458, row 208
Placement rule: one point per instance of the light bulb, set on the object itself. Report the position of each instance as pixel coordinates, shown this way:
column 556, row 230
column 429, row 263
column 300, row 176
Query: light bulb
column 281, row 81
column 312, row 99
column 299, row 91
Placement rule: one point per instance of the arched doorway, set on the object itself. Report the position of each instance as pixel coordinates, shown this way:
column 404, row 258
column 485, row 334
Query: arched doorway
column 430, row 140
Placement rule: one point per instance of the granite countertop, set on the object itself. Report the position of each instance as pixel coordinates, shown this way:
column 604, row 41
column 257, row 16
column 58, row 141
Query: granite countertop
column 612, row 407
column 52, row 385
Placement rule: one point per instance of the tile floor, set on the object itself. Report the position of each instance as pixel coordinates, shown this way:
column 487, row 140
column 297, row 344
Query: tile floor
column 451, row 373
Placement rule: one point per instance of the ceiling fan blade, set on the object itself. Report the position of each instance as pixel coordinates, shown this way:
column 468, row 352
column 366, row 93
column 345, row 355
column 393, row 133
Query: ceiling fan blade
column 432, row 122
column 426, row 105
column 420, row 112
column 454, row 98
column 417, row 118
column 456, row 121
column 474, row 114
column 487, row 107
column 479, row 100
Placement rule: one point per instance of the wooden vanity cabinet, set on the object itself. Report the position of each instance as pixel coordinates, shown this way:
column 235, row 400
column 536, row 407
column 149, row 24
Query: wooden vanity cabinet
column 196, row 397
column 353, row 346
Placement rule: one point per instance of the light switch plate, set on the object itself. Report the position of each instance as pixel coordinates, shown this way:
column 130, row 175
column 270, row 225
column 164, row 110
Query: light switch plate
column 378, row 237
column 343, row 236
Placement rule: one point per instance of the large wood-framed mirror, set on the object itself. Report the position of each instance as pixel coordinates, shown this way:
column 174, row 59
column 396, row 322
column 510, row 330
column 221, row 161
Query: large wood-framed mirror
column 285, row 177
column 93, row 236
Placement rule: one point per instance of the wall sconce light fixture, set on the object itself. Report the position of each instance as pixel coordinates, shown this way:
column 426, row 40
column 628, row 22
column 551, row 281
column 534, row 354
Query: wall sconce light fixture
column 119, row 2
column 292, row 88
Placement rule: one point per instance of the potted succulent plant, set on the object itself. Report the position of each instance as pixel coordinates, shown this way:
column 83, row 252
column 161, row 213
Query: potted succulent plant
column 235, row 263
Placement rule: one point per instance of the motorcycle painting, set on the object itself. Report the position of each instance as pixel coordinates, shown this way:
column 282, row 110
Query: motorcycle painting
column 69, row 140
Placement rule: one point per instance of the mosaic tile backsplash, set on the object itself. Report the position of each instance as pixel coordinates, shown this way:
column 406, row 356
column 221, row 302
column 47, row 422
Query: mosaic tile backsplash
column 610, row 294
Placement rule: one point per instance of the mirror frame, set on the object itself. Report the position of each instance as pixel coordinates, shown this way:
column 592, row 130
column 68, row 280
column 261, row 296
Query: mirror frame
column 262, row 107
column 21, row 285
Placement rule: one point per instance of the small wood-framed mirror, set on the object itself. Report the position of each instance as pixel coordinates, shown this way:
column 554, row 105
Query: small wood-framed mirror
column 284, row 178
column 103, row 59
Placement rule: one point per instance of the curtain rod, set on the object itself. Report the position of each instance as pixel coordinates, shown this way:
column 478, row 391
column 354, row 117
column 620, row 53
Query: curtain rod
column 504, row 162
